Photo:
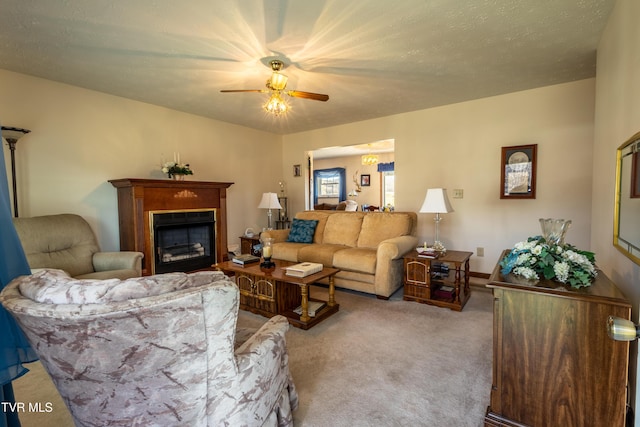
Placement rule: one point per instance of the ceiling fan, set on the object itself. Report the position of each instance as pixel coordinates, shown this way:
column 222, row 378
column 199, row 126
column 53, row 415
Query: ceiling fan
column 276, row 85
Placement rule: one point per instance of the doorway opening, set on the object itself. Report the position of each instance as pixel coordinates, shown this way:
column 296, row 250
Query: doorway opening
column 369, row 184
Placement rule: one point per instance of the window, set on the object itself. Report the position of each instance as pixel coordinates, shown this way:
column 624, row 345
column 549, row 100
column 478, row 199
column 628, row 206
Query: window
column 329, row 183
column 387, row 176
column 329, row 186
column 388, row 191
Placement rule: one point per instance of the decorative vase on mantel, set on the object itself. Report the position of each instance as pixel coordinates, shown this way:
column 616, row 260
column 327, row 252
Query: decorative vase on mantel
column 177, row 177
column 553, row 230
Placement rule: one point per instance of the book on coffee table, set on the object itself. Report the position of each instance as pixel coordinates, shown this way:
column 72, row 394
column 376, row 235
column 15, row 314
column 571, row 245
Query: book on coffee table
column 245, row 259
column 303, row 269
column 313, row 308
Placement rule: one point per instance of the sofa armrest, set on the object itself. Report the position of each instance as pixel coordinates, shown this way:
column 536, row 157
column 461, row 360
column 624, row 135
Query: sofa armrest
column 277, row 235
column 396, row 247
column 124, row 260
column 389, row 263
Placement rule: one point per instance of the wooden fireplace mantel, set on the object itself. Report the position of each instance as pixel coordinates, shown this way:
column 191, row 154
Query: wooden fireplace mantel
column 137, row 197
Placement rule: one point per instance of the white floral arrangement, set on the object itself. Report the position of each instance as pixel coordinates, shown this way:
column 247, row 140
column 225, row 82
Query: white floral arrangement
column 536, row 259
column 175, row 168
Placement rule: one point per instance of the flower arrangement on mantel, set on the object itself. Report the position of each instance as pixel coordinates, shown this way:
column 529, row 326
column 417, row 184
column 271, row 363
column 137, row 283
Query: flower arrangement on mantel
column 537, row 259
column 175, row 169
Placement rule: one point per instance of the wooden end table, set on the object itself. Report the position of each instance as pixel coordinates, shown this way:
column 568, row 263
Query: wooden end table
column 269, row 293
column 421, row 281
column 247, row 243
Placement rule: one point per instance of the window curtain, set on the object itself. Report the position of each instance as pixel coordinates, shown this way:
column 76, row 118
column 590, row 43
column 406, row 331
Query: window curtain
column 385, row 167
column 14, row 348
column 329, row 173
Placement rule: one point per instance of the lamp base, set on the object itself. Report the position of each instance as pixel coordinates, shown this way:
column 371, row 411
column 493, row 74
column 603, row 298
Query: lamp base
column 439, row 247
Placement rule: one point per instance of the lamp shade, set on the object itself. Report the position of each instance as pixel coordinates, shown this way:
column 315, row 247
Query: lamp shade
column 436, row 201
column 13, row 133
column 269, row 201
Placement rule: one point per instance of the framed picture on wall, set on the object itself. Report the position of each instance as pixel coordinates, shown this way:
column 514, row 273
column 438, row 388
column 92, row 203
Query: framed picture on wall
column 297, row 170
column 365, row 180
column 518, row 172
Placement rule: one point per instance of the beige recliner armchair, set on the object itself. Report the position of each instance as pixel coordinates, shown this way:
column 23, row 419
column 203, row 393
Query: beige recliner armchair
column 67, row 242
column 158, row 350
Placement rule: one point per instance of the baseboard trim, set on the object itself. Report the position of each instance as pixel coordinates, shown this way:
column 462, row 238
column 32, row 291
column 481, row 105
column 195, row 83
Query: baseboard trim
column 480, row 275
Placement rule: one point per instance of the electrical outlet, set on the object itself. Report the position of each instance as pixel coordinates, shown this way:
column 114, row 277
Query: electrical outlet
column 458, row 193
column 480, row 251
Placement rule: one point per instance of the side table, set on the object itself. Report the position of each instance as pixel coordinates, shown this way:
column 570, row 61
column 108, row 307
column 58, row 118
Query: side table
column 429, row 281
column 247, row 243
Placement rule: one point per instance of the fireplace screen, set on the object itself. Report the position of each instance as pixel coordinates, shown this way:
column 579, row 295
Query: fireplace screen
column 182, row 240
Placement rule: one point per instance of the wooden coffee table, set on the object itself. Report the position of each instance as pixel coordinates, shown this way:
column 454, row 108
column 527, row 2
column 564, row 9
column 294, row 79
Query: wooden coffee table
column 269, row 293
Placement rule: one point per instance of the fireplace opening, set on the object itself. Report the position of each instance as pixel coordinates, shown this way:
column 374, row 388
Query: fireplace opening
column 182, row 240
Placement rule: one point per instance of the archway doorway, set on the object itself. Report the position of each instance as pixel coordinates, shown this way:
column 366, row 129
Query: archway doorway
column 368, row 182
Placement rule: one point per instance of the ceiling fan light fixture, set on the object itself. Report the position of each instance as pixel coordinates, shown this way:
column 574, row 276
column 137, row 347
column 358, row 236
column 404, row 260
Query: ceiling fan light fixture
column 276, row 105
column 278, row 81
column 369, row 159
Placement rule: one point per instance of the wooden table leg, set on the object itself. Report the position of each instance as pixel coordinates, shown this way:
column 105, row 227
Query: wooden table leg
column 332, row 292
column 304, row 291
column 457, row 282
column 466, row 277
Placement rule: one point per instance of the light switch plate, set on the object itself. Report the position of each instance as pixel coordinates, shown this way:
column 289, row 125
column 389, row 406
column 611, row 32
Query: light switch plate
column 458, row 193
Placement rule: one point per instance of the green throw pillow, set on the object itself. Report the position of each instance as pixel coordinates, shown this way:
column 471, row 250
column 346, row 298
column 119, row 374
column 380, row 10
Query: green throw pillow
column 302, row 230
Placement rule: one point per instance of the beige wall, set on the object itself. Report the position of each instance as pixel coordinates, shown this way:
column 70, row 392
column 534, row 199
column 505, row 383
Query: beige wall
column 80, row 139
column 617, row 119
column 459, row 146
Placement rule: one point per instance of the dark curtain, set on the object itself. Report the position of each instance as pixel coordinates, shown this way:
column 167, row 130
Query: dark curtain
column 14, row 348
column 329, row 173
column 385, row 167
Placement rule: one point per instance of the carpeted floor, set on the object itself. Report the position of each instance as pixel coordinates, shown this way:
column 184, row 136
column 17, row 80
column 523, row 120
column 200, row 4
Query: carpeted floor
column 374, row 363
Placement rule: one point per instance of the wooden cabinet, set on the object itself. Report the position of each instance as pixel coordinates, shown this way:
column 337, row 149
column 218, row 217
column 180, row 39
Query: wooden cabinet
column 553, row 362
column 426, row 279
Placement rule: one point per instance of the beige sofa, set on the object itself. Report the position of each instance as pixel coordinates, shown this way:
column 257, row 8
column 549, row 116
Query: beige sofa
column 367, row 247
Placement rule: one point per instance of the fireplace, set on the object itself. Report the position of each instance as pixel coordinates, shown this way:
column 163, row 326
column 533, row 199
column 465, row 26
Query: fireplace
column 182, row 240
column 140, row 199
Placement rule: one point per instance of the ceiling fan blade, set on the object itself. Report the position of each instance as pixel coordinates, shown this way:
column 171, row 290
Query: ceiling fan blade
column 244, row 90
column 308, row 95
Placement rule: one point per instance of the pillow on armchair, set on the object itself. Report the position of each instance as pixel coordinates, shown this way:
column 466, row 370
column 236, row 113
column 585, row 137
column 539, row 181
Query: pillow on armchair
column 302, row 230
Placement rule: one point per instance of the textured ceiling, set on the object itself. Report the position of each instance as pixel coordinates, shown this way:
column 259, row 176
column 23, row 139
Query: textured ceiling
column 373, row 58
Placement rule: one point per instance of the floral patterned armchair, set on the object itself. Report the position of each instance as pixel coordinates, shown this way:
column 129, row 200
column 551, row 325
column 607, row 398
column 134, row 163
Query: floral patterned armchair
column 156, row 350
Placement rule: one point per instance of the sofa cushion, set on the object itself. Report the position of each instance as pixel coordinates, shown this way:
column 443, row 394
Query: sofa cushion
column 362, row 260
column 287, row 251
column 322, row 253
column 379, row 226
column 321, row 216
column 343, row 228
column 302, row 230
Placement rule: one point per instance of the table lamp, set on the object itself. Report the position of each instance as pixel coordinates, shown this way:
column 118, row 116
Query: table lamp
column 436, row 201
column 269, row 201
